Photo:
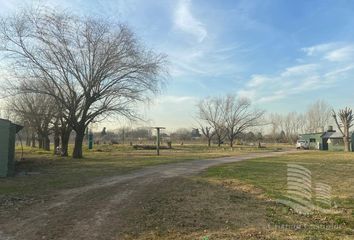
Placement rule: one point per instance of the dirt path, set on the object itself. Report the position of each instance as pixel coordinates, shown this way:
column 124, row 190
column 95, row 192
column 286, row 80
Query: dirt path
column 101, row 210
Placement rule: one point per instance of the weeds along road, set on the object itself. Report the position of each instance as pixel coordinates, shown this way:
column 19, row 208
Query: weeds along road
column 99, row 210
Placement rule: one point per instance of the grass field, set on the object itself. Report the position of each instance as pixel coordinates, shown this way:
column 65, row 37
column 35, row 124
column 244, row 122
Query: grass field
column 232, row 201
column 265, row 179
column 41, row 172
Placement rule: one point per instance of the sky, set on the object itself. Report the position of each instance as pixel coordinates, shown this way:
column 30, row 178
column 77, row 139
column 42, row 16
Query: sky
column 281, row 54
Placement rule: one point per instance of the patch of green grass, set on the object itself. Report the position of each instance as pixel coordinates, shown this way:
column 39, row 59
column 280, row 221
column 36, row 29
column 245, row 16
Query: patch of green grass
column 270, row 174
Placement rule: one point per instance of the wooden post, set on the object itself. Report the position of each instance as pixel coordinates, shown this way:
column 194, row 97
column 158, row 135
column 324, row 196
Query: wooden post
column 158, row 140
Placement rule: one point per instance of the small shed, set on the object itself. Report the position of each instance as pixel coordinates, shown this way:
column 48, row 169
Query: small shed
column 335, row 141
column 329, row 140
column 314, row 139
column 8, row 132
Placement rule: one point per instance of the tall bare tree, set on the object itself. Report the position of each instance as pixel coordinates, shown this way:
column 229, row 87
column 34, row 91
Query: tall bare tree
column 239, row 116
column 210, row 111
column 301, row 123
column 91, row 67
column 344, row 123
column 276, row 122
column 318, row 116
column 293, row 124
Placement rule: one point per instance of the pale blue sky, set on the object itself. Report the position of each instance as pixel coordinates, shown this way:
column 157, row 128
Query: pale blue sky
column 282, row 54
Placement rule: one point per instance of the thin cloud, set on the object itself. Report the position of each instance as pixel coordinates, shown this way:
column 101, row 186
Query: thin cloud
column 340, row 71
column 185, row 21
column 257, row 80
column 206, row 60
column 331, row 65
column 176, row 99
column 334, row 52
column 272, row 98
column 299, row 70
column 319, row 48
column 341, row 54
column 250, row 94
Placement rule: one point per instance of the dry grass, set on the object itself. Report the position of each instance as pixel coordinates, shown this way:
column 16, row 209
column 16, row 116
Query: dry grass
column 184, row 208
column 233, row 201
column 42, row 173
column 269, row 176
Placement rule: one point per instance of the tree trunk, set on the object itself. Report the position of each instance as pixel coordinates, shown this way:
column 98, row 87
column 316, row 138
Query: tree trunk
column 346, row 144
column 56, row 141
column 65, row 136
column 28, row 139
column 40, row 141
column 209, row 142
column 46, row 142
column 33, row 140
column 77, row 153
column 346, row 138
column 231, row 143
column 56, row 137
column 219, row 141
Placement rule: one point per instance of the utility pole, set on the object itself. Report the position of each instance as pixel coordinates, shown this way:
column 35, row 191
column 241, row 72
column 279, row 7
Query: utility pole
column 158, row 140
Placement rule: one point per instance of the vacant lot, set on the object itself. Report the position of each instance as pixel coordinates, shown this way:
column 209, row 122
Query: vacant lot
column 265, row 180
column 41, row 173
column 237, row 201
column 106, row 197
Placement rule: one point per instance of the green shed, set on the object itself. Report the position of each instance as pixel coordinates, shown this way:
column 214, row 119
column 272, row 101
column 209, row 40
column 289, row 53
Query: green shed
column 8, row 132
column 314, row 139
column 335, row 141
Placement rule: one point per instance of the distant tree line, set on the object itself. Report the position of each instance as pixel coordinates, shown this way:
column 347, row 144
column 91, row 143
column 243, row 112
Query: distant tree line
column 124, row 135
column 286, row 128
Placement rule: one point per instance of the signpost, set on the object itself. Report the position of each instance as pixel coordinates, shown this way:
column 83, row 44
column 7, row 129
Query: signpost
column 158, row 139
column 90, row 140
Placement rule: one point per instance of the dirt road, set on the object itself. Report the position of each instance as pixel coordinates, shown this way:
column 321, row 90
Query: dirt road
column 106, row 209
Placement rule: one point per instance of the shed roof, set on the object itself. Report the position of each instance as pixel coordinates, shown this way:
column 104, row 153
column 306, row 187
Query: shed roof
column 332, row 135
column 306, row 134
column 18, row 127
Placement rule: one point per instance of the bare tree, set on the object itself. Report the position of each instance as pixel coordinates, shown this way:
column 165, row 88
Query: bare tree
column 318, row 116
column 181, row 134
column 91, row 67
column 239, row 116
column 37, row 111
column 293, row 123
column 301, row 123
column 208, row 133
column 276, row 122
column 345, row 122
column 287, row 127
column 210, row 110
column 62, row 129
